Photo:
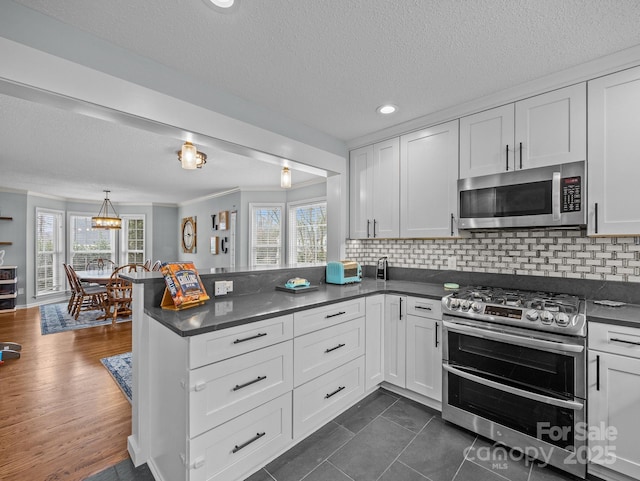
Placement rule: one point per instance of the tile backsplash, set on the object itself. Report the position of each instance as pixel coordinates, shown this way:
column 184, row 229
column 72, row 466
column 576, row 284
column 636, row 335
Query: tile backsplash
column 549, row 253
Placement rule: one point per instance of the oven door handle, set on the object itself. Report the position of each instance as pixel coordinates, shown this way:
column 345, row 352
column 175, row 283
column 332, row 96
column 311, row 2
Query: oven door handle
column 574, row 405
column 513, row 339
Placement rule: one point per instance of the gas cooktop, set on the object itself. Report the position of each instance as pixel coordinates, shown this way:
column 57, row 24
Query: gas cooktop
column 543, row 311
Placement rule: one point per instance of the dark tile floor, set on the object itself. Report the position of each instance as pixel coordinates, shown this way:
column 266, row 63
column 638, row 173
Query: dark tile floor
column 387, row 438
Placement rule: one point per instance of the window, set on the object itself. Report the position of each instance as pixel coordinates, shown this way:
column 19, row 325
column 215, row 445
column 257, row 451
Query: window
column 308, row 232
column 49, row 251
column 132, row 240
column 87, row 244
column 266, row 234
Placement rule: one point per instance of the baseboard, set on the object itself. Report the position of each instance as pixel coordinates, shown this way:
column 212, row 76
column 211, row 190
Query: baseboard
column 419, row 398
column 598, row 472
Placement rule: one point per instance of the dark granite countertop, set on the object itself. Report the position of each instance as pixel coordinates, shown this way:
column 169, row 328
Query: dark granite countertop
column 626, row 315
column 224, row 312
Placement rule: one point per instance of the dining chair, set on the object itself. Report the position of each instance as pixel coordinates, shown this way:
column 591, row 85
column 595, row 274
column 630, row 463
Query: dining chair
column 156, row 265
column 72, row 286
column 147, row 264
column 100, row 264
column 118, row 300
column 87, row 298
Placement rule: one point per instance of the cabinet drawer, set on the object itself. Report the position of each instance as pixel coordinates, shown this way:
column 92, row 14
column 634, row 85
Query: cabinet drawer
column 423, row 307
column 234, row 448
column 324, row 350
column 614, row 339
column 226, row 389
column 218, row 345
column 321, row 317
column 317, row 401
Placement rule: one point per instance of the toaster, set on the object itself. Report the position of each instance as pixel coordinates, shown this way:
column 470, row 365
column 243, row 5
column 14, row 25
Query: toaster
column 343, row 272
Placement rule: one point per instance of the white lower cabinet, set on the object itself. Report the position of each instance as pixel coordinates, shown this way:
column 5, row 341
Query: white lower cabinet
column 374, row 342
column 413, row 347
column 319, row 400
column 613, row 399
column 225, row 453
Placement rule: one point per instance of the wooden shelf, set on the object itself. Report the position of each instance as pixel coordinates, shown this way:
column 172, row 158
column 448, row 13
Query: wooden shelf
column 6, row 218
column 6, row 243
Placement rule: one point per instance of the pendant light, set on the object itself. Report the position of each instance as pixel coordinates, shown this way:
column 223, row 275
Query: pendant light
column 103, row 220
column 285, row 178
column 190, row 158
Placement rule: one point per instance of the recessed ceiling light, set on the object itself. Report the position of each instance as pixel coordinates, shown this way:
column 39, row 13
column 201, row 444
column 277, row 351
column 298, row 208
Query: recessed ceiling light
column 386, row 109
column 222, row 3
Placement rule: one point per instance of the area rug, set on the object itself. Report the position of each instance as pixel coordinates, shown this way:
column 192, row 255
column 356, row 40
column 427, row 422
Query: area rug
column 55, row 318
column 119, row 366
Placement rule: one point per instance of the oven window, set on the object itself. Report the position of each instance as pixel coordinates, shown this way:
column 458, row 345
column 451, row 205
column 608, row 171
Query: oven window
column 537, row 419
column 532, row 198
column 522, row 367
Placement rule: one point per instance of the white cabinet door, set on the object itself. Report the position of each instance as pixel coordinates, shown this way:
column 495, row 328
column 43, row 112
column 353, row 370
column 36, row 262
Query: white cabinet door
column 614, row 161
column 394, row 340
column 374, row 342
column 429, row 174
column 360, row 192
column 374, row 188
column 486, row 142
column 614, row 397
column 386, row 189
column 552, row 128
column 424, row 356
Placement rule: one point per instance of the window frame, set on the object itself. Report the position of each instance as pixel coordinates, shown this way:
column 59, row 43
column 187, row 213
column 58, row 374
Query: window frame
column 292, row 237
column 253, row 207
column 58, row 252
column 123, row 251
column 112, row 254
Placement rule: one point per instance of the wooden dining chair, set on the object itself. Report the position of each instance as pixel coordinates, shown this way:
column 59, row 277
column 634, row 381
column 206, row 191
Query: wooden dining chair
column 86, row 298
column 101, row 265
column 72, row 297
column 147, row 264
column 118, row 301
column 156, row 265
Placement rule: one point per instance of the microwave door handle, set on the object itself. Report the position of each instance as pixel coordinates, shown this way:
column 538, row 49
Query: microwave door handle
column 574, row 405
column 556, row 196
column 513, row 339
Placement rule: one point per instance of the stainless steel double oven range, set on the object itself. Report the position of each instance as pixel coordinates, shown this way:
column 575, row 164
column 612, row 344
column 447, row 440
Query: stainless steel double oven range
column 515, row 371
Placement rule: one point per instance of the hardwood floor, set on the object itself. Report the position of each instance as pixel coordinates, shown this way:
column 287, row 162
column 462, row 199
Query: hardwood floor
column 62, row 416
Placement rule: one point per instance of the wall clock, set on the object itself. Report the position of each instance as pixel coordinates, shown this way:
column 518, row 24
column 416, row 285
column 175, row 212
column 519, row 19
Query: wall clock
column 189, row 235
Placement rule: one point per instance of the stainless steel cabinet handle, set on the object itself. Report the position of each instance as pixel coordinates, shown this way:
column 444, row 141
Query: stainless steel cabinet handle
column 576, row 406
column 368, row 224
column 240, row 386
column 625, row 341
column 437, row 335
column 597, row 372
column 452, row 225
column 595, row 215
column 400, row 309
column 374, row 227
column 326, row 351
column 334, row 315
column 245, row 444
column 260, row 334
column 424, row 308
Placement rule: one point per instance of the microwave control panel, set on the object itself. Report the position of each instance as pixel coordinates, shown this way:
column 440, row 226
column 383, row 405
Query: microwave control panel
column 571, row 194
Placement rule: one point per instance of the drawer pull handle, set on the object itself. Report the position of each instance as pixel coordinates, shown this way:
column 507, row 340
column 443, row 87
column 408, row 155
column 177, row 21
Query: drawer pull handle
column 200, row 386
column 245, row 444
column 260, row 334
column 327, row 396
column 625, row 341
column 326, row 351
column 334, row 315
column 597, row 372
column 240, row 386
column 424, row 308
column 198, row 463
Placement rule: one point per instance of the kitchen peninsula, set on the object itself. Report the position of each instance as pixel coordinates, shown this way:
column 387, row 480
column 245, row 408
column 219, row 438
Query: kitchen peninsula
column 183, row 422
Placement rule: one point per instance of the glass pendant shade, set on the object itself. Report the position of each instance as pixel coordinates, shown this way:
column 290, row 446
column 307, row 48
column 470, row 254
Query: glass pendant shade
column 285, row 178
column 189, row 156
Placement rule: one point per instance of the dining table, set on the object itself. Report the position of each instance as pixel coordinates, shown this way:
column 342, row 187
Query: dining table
column 96, row 276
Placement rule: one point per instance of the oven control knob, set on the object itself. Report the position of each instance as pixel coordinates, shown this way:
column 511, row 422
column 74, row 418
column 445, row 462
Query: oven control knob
column 454, row 303
column 532, row 315
column 476, row 306
column 465, row 305
column 562, row 319
column 546, row 317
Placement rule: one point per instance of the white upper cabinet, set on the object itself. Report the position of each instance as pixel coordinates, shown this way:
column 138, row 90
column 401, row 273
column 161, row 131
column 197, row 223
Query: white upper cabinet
column 428, row 180
column 374, row 190
column 547, row 129
column 614, row 161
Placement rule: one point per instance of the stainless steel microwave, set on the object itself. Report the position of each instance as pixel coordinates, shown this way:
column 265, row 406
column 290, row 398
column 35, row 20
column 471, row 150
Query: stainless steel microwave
column 552, row 196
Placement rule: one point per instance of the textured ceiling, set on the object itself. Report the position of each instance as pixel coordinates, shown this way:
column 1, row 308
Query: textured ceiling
column 326, row 64
column 329, row 63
